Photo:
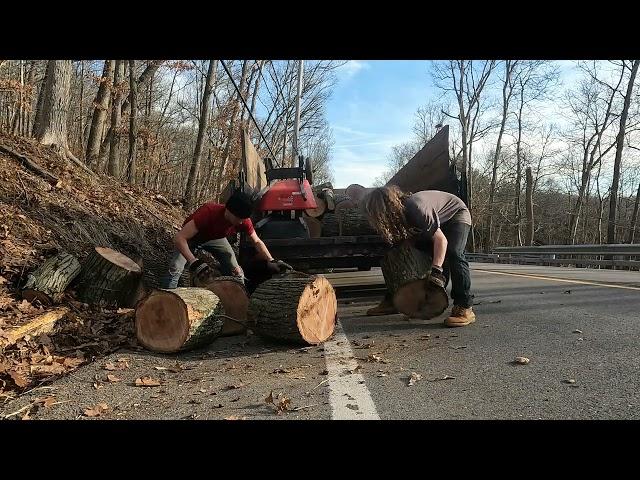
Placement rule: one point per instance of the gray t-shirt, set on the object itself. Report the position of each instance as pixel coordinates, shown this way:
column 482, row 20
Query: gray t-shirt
column 429, row 209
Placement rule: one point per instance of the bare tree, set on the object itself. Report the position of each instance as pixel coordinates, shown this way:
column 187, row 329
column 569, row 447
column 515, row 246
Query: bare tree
column 113, row 166
column 613, row 196
column 202, row 127
column 101, row 107
column 133, row 124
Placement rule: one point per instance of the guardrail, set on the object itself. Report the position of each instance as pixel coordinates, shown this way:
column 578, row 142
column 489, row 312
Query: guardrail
column 611, row 256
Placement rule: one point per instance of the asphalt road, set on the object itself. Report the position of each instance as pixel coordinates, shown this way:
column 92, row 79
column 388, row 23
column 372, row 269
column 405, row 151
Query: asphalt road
column 579, row 328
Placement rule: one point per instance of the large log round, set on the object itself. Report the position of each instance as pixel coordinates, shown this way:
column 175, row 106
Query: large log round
column 294, row 309
column 355, row 192
column 314, row 225
column 235, row 301
column 109, row 278
column 321, row 207
column 353, row 222
column 406, row 270
column 51, row 279
column 178, row 319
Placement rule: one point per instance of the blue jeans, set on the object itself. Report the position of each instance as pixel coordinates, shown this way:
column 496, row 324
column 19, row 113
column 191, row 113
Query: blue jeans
column 219, row 248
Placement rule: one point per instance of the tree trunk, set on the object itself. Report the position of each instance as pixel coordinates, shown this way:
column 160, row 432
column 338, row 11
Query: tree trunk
column 634, row 217
column 506, row 95
column 51, row 279
column 178, row 319
column 99, row 117
column 226, row 168
column 611, row 226
column 202, row 128
column 51, row 128
column 529, row 206
column 405, row 270
column 293, row 309
column 109, row 278
column 133, row 123
column 113, row 166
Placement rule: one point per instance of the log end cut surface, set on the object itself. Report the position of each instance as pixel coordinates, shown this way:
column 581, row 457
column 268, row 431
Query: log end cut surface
column 119, row 259
column 317, row 311
column 162, row 322
column 419, row 299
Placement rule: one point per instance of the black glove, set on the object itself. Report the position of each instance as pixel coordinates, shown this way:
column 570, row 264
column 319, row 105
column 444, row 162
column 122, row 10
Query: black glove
column 278, row 266
column 200, row 268
column 437, row 278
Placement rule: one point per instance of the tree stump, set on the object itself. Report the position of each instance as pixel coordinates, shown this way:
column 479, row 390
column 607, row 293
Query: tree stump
column 235, row 302
column 294, row 309
column 51, row 279
column 406, row 270
column 179, row 319
column 109, row 278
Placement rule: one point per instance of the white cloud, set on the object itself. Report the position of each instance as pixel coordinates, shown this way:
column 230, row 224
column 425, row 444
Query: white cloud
column 351, row 69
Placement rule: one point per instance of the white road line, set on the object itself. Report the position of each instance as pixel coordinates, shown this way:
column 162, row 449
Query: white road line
column 561, row 280
column 350, row 399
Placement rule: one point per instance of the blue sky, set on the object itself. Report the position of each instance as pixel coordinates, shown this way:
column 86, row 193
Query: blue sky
column 373, row 108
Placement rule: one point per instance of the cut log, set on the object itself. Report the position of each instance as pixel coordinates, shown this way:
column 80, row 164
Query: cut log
column 109, row 278
column 49, row 281
column 294, row 309
column 314, row 225
column 355, row 192
column 44, row 323
column 235, row 301
column 353, row 222
column 329, row 198
column 320, row 208
column 179, row 319
column 406, row 270
column 330, row 226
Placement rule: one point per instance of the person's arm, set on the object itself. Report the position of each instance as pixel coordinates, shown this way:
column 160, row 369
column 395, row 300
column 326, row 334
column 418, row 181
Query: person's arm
column 188, row 231
column 439, row 248
column 261, row 248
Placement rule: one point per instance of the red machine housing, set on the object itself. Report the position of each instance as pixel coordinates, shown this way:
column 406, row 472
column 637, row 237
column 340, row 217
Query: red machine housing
column 287, row 195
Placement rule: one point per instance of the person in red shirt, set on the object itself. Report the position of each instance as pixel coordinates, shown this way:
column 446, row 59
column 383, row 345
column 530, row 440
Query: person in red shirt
column 208, row 228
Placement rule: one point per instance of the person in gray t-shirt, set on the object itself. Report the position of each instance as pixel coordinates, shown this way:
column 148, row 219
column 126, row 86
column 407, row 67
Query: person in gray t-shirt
column 431, row 219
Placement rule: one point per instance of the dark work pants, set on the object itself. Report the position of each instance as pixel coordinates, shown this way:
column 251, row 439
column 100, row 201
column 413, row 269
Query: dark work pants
column 455, row 265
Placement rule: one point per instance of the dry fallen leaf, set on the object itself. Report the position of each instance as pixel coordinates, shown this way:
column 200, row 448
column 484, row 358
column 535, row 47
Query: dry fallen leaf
column 414, row 378
column 46, row 401
column 147, row 382
column 521, row 360
column 97, row 411
column 569, row 380
column 112, row 378
column 18, row 379
column 234, row 417
column 577, row 331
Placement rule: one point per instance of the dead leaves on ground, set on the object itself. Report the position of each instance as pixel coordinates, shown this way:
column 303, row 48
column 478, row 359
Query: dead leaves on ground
column 96, row 411
column 147, row 381
column 281, row 402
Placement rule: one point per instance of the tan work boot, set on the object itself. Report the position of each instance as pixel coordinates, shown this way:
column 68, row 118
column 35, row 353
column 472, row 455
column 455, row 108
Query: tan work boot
column 460, row 317
column 385, row 308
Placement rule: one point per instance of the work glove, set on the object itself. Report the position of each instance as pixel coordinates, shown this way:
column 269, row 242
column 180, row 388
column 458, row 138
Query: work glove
column 278, row 266
column 200, row 269
column 437, row 278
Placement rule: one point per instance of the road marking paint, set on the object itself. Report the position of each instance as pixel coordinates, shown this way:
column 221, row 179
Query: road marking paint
column 348, row 394
column 563, row 280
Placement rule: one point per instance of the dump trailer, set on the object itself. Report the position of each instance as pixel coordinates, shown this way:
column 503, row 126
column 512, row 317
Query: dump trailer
column 286, row 193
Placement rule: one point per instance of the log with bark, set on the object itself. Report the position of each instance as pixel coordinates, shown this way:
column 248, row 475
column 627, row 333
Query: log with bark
column 49, row 281
column 330, row 225
column 353, row 222
column 109, row 278
column 406, row 270
column 235, row 302
column 179, row 319
column 296, row 309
